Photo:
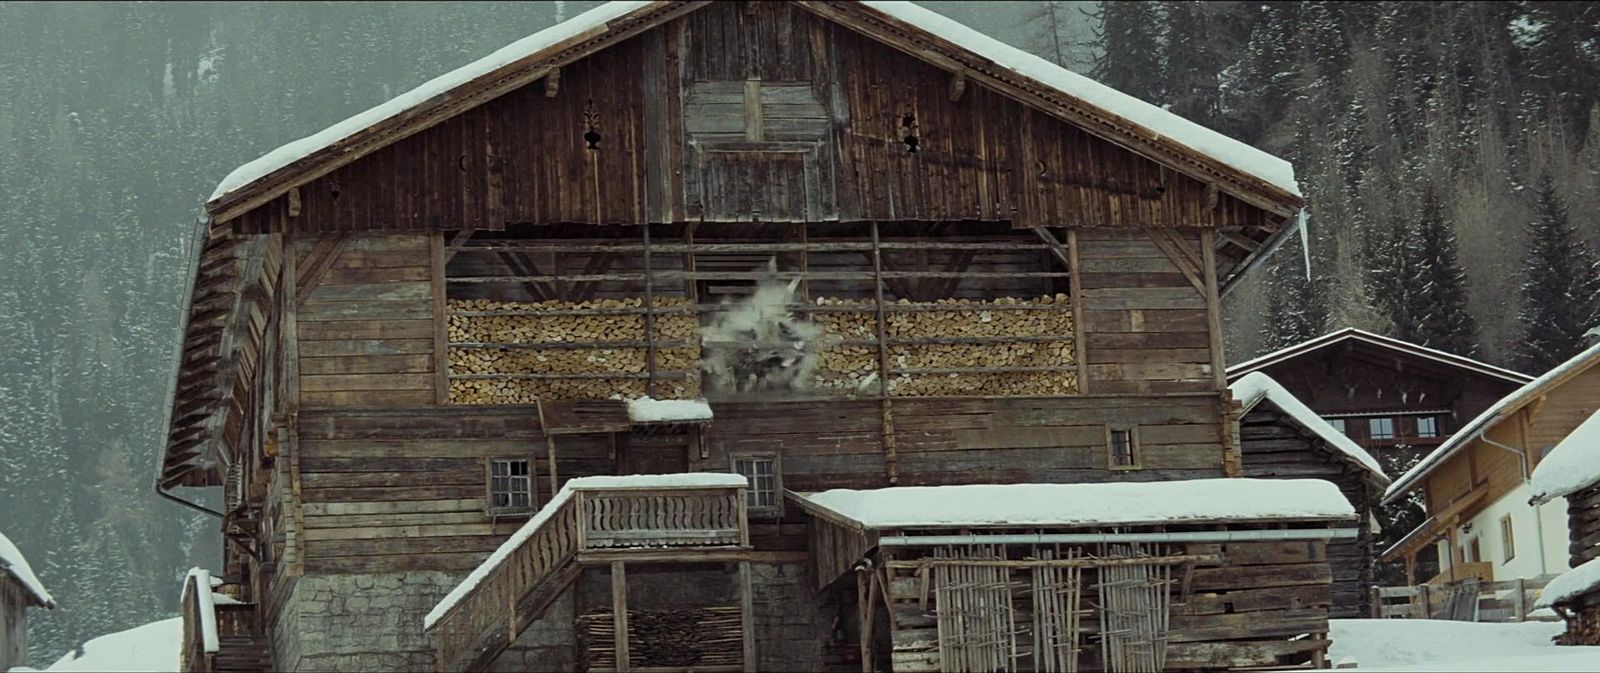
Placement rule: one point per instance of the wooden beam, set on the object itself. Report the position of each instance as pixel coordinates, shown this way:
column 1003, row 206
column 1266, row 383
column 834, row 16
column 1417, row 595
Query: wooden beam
column 318, row 262
column 619, row 613
column 1208, row 251
column 294, row 202
column 1078, row 341
column 649, row 316
column 552, row 83
column 1174, row 249
column 747, row 616
column 441, row 319
column 1236, row 238
column 958, row 86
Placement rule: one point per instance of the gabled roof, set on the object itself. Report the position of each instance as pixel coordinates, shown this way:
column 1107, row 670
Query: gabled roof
column 14, row 565
column 1351, row 334
column 1257, row 387
column 1253, row 176
column 1499, row 411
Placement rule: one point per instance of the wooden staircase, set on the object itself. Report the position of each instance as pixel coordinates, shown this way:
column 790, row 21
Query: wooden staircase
column 245, row 653
column 220, row 634
column 581, row 524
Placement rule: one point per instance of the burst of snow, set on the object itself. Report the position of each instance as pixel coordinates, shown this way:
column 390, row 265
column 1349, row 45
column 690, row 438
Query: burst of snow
column 594, row 19
column 12, row 561
column 681, row 480
column 1124, row 503
column 1159, row 122
column 1488, row 419
column 1256, row 386
column 1437, row 645
column 1246, row 159
column 1570, row 584
column 153, row 647
column 651, row 410
column 1573, row 465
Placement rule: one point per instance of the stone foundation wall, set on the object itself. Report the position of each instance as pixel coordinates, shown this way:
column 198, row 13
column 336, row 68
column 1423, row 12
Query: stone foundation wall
column 790, row 624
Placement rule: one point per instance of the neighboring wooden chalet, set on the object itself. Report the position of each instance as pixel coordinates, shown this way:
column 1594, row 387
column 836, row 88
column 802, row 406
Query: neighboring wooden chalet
column 817, row 245
column 1284, row 439
column 1475, row 486
column 20, row 590
column 1386, row 394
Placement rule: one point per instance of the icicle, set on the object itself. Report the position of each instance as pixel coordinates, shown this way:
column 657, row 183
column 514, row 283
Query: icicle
column 1305, row 242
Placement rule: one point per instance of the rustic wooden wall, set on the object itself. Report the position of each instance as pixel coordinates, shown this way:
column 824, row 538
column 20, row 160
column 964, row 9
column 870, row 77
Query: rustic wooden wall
column 366, row 328
column 13, row 624
column 822, row 137
column 1274, row 447
column 1146, row 326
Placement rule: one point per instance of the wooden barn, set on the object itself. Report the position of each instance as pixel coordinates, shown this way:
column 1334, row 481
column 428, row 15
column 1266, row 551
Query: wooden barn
column 1281, row 438
column 20, row 591
column 472, row 368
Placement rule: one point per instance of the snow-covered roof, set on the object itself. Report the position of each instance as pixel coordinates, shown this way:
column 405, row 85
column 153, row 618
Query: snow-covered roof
column 1157, row 123
column 1570, row 584
column 1491, row 416
column 650, row 410
column 1572, row 466
column 13, row 563
column 1098, row 504
column 1257, row 386
column 1390, row 343
column 152, row 648
column 640, row 481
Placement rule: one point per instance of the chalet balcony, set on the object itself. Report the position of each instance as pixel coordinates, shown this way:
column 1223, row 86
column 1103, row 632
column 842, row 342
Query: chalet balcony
column 687, row 518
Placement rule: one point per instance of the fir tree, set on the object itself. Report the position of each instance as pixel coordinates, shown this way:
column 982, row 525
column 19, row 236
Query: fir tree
column 1560, row 286
column 1128, row 42
column 1297, row 307
column 1429, row 307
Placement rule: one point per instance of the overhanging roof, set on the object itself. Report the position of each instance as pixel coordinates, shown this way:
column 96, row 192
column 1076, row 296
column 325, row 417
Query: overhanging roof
column 1351, row 334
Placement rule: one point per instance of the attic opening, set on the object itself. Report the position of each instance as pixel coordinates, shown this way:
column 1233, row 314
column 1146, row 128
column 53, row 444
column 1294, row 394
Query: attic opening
column 767, row 310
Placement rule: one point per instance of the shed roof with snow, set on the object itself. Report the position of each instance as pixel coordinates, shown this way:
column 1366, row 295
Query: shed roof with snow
column 13, row 564
column 1256, row 388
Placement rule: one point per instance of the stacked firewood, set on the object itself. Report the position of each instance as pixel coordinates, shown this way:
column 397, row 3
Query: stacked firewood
column 666, row 638
column 852, row 367
column 574, row 348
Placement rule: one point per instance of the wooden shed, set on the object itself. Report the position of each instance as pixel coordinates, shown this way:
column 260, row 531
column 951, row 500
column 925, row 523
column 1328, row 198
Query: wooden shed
column 20, row 590
column 1282, row 438
column 821, row 245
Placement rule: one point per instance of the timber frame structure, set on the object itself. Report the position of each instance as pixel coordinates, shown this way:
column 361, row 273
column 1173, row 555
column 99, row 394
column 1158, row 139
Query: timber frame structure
column 411, row 337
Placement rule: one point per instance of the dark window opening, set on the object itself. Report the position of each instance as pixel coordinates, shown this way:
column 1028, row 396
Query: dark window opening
column 510, row 485
column 1124, row 449
column 1380, row 428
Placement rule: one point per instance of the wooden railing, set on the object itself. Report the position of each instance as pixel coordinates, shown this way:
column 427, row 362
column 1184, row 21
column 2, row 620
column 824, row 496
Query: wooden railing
column 497, row 608
column 200, row 639
column 1483, row 571
column 1504, row 601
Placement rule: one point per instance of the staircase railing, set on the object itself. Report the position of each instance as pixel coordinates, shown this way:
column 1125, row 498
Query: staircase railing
column 200, row 639
column 480, row 617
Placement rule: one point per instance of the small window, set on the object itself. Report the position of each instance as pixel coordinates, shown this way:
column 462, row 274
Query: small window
column 1508, row 539
column 510, row 486
column 1380, row 428
column 764, row 497
column 1123, row 446
column 1427, row 426
column 1338, row 424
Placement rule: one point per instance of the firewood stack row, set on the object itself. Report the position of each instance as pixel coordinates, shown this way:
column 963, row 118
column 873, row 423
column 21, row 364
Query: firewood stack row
column 852, row 367
column 666, row 638
column 575, row 338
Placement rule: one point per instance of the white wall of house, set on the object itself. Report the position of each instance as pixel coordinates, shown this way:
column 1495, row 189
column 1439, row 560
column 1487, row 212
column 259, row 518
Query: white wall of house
column 1527, row 536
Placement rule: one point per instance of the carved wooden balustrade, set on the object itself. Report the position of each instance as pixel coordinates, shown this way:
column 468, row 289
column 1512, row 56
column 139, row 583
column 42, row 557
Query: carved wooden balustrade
column 517, row 588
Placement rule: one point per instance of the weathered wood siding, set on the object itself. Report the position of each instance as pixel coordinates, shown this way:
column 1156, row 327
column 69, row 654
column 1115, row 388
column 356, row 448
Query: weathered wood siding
column 1145, row 324
column 13, row 624
column 1275, row 448
column 367, row 326
column 823, row 135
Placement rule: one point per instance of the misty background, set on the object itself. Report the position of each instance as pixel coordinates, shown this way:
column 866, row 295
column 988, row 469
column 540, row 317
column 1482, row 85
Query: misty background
column 1441, row 145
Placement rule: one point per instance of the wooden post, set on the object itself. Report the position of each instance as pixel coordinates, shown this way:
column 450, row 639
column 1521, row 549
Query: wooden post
column 747, row 617
column 1208, row 257
column 1520, row 602
column 1427, row 601
column 889, row 461
column 1375, row 611
column 1076, row 287
column 864, row 627
column 619, row 613
column 441, row 321
column 649, row 317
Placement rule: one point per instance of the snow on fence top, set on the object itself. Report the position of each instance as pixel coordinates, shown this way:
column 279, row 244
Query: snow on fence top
column 639, row 481
column 1088, row 504
column 1570, row 584
column 1256, row 386
column 199, row 581
column 1572, row 466
column 1487, row 419
column 1160, row 122
column 12, row 561
column 650, row 410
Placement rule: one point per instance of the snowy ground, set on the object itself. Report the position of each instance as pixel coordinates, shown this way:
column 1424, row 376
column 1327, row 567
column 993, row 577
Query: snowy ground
column 1431, row 645
column 149, row 648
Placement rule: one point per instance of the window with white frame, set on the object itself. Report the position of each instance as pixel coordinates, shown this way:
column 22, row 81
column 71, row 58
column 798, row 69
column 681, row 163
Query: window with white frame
column 1338, row 424
column 510, row 485
column 764, row 496
column 1508, row 540
column 1427, row 426
column 1380, row 428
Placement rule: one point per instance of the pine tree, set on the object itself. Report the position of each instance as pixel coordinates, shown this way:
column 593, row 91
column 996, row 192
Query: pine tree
column 1560, row 286
column 1297, row 307
column 1128, row 42
column 1429, row 307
